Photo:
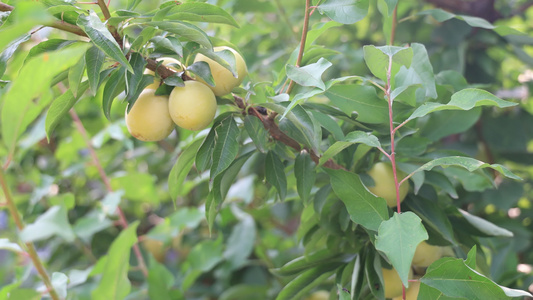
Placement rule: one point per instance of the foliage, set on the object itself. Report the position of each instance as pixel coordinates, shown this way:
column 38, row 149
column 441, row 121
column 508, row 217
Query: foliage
column 271, row 200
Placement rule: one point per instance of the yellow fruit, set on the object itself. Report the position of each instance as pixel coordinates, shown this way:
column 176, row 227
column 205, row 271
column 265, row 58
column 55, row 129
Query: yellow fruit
column 412, row 291
column 193, row 106
column 426, row 254
column 318, row 295
column 384, row 187
column 149, row 118
column 166, row 61
column 392, row 282
column 224, row 80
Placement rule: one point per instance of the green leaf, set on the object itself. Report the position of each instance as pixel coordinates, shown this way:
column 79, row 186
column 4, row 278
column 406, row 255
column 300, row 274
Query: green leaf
column 75, row 74
column 160, row 280
column 200, row 12
column 486, row 226
column 115, row 283
column 59, row 282
column 302, row 263
column 137, row 186
column 424, row 69
column 364, row 208
column 306, row 281
column 26, row 16
column 275, row 174
column 391, row 4
column 433, row 215
column 448, row 122
column 201, row 68
column 304, row 171
column 310, row 75
column 463, row 100
column 257, row 132
column 53, row 222
column 102, row 38
column 398, row 238
column 10, row 50
column 168, row 43
column 21, row 103
column 94, row 59
column 48, row 46
column 241, row 241
column 344, row 11
column 134, row 80
column 361, row 99
column 352, row 138
column 60, row 107
column 181, row 168
column 205, row 153
column 185, row 30
column 114, row 86
column 468, row 163
column 5, row 244
column 454, row 278
column 427, row 292
column 225, row 58
column 378, row 59
column 226, row 146
column 203, row 257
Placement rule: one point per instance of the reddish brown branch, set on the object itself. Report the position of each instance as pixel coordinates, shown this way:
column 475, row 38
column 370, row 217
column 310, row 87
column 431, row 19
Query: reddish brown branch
column 5, row 7
column 302, row 41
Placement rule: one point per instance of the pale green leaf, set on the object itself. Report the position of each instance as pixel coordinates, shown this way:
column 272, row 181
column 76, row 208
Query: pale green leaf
column 53, row 222
column 344, row 11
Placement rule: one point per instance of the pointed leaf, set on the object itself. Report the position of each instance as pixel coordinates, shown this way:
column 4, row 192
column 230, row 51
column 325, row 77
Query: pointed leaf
column 275, row 174
column 468, row 163
column 94, row 59
column 344, row 11
column 53, row 222
column 181, row 168
column 304, row 171
column 9, row 51
column 185, row 30
column 364, row 208
column 306, row 281
column 102, row 38
column 352, row 138
column 226, row 146
column 310, row 75
column 114, row 86
column 378, row 59
column 205, row 152
column 60, row 107
column 75, row 74
column 5, row 244
column 486, row 226
column 257, row 132
column 21, row 102
column 463, row 100
column 115, row 283
column 398, row 238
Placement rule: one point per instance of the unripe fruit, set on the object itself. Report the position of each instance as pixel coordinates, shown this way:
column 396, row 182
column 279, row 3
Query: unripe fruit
column 384, row 186
column 166, row 62
column 392, row 282
column 318, row 295
column 224, row 80
column 192, row 106
column 155, row 247
column 412, row 292
column 426, row 254
column 149, row 118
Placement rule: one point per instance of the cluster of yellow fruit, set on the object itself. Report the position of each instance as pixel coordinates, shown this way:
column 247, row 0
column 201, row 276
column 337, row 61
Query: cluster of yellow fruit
column 192, row 106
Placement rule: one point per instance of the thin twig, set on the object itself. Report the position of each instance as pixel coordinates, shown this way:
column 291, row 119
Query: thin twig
column 6, row 7
column 121, row 217
column 302, row 42
column 37, row 263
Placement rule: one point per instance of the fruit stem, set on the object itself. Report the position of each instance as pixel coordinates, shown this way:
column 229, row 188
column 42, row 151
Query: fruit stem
column 302, row 41
column 121, row 217
column 37, row 263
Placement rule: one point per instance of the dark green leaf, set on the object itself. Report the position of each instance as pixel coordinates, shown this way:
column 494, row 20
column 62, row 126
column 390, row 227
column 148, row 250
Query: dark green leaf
column 304, row 171
column 185, row 30
column 257, row 132
column 354, row 137
column 364, row 208
column 94, row 59
column 201, row 68
column 205, row 153
column 181, row 168
column 114, row 86
column 275, row 174
column 226, row 146
column 9, row 51
column 306, row 281
column 102, row 38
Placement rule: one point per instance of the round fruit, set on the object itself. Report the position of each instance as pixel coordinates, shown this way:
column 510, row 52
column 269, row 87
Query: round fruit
column 392, row 282
column 224, row 80
column 149, row 118
column 426, row 254
column 192, row 106
column 412, row 291
column 318, row 295
column 166, row 62
column 384, row 186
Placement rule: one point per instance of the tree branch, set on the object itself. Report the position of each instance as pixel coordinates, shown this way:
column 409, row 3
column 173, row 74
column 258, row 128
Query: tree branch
column 5, row 7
